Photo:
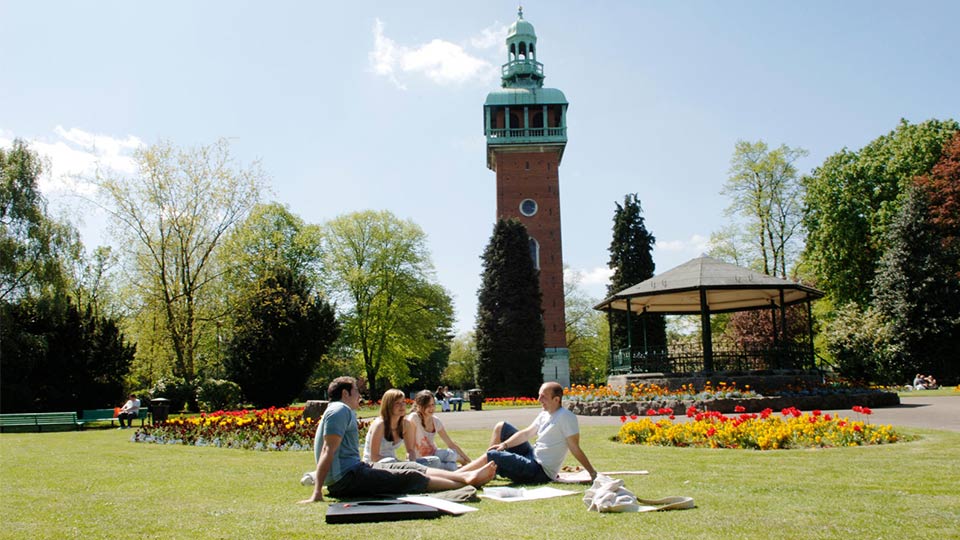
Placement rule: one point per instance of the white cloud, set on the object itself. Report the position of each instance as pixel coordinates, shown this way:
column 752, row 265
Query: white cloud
column 73, row 155
column 443, row 62
column 596, row 276
column 493, row 36
column 696, row 243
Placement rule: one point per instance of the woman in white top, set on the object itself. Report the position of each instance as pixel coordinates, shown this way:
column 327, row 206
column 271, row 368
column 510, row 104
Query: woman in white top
column 426, row 426
column 389, row 431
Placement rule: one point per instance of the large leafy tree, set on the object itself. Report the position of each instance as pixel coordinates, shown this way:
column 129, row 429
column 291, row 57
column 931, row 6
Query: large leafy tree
column 57, row 356
column 852, row 198
column 765, row 198
column 631, row 259
column 282, row 328
column 378, row 268
column 510, row 333
column 462, row 365
column 171, row 217
column 279, row 324
column 917, row 289
column 588, row 334
column 35, row 249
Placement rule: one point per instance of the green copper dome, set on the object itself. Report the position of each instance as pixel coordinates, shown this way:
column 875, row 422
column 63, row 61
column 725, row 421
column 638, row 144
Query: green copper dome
column 521, row 27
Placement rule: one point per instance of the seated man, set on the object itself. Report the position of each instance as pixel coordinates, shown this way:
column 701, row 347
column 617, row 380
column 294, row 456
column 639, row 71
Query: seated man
column 557, row 431
column 337, row 449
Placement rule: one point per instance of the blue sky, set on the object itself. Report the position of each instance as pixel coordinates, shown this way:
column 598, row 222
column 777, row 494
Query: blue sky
column 378, row 105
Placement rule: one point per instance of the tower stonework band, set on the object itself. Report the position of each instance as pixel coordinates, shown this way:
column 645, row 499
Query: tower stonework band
column 525, row 126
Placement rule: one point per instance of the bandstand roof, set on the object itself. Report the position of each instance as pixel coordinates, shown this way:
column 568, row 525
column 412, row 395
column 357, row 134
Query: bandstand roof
column 728, row 288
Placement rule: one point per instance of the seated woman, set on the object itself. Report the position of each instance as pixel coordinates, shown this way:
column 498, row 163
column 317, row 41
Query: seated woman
column 389, row 431
column 441, row 398
column 426, row 427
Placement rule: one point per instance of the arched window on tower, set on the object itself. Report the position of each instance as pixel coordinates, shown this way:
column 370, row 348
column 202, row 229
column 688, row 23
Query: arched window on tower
column 513, row 52
column 535, row 252
column 523, row 50
column 533, row 53
column 516, row 122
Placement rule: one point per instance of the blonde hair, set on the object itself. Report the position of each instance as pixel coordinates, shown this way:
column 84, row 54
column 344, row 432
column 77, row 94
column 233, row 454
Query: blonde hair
column 390, row 398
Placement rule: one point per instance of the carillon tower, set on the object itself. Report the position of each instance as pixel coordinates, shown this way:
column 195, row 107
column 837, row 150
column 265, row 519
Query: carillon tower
column 525, row 126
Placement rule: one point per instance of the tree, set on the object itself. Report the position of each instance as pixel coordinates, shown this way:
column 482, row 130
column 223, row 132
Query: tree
column 35, row 249
column 764, row 192
column 917, row 289
column 852, row 198
column 631, row 259
column 280, row 325
column 57, row 356
column 942, row 189
column 588, row 335
column 281, row 331
column 172, row 215
column 378, row 268
column 462, row 367
column 510, row 333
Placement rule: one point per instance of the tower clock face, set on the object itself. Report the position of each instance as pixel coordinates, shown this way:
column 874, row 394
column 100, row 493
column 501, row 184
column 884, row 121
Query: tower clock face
column 528, row 207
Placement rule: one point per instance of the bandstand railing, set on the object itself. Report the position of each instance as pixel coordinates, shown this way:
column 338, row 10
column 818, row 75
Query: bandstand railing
column 688, row 358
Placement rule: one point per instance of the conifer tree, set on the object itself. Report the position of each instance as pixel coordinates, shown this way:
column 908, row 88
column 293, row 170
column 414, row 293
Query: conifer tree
column 510, row 333
column 631, row 259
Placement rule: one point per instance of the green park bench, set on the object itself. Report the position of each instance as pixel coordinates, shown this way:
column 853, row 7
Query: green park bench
column 89, row 416
column 39, row 420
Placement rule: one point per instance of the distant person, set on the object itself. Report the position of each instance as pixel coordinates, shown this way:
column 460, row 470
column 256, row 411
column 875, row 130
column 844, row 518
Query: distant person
column 455, row 403
column 336, row 448
column 442, row 399
column 557, row 431
column 426, row 426
column 930, row 383
column 919, row 383
column 129, row 411
column 389, row 431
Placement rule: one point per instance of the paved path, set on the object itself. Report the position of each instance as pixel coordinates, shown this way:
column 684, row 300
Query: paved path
column 941, row 412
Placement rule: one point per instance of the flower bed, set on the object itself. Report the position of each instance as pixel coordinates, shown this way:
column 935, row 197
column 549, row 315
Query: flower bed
column 654, row 392
column 270, row 429
column 510, row 402
column 763, row 431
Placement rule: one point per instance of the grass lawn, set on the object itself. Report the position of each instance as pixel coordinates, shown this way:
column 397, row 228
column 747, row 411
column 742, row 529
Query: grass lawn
column 942, row 391
column 97, row 484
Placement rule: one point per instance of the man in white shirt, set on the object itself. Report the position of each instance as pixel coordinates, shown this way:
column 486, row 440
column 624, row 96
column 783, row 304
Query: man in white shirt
column 129, row 411
column 557, row 431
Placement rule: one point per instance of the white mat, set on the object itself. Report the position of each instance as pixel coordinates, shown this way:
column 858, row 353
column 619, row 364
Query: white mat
column 440, row 504
column 583, row 477
column 508, row 494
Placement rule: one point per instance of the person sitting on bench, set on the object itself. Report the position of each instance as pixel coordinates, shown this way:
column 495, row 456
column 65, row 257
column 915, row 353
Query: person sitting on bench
column 337, row 450
column 129, row 411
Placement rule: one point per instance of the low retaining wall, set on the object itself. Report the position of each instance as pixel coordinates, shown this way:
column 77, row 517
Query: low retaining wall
column 726, row 406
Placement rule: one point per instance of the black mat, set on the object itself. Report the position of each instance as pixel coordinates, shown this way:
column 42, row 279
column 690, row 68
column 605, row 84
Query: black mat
column 372, row 511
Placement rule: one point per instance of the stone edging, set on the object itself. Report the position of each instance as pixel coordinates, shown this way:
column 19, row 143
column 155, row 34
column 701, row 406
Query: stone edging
column 726, row 406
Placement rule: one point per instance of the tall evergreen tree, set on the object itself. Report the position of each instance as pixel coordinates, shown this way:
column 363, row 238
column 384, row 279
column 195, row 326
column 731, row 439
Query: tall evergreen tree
column 510, row 333
column 917, row 289
column 632, row 262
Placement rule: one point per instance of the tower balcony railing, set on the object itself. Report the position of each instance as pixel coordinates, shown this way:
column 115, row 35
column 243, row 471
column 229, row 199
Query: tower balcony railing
column 522, row 67
column 508, row 135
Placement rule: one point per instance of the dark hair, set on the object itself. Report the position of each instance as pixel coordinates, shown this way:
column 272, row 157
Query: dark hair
column 338, row 386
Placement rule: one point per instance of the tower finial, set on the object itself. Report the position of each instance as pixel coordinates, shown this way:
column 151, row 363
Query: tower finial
column 519, row 11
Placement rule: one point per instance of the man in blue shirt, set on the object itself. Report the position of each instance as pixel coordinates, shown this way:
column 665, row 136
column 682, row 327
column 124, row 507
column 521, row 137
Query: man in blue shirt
column 337, row 450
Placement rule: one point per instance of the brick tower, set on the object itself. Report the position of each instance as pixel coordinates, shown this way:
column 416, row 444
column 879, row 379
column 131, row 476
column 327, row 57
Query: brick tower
column 525, row 126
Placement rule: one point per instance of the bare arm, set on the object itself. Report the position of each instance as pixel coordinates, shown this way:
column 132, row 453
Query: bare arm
column 453, row 446
column 330, row 445
column 410, row 439
column 377, row 435
column 519, row 437
column 573, row 444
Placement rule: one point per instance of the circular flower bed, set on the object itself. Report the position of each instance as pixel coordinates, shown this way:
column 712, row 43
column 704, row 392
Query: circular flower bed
column 763, row 431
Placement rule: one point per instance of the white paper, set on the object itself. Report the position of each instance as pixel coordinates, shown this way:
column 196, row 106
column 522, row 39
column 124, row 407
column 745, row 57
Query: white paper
column 506, row 494
column 440, row 504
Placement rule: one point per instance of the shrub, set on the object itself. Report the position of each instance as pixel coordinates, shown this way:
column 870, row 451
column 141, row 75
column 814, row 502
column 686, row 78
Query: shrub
column 179, row 391
column 218, row 394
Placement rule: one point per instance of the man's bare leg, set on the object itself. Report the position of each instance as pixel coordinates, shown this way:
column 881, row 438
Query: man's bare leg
column 495, row 436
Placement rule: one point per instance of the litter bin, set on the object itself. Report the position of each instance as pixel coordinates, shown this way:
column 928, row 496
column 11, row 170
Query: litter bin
column 159, row 409
column 475, row 395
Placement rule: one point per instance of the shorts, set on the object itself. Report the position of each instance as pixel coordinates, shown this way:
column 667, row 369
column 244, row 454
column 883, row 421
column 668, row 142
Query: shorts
column 517, row 462
column 365, row 480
